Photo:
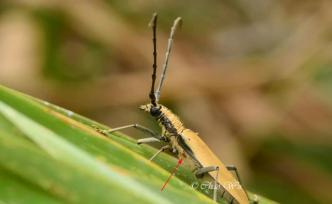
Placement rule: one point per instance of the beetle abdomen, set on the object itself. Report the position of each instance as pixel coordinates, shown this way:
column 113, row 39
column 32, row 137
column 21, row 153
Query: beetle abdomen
column 207, row 158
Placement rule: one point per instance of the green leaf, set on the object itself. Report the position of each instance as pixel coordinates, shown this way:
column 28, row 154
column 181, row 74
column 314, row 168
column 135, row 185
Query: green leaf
column 52, row 155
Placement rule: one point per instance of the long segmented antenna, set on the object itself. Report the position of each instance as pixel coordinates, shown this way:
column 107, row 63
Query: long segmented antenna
column 153, row 24
column 177, row 21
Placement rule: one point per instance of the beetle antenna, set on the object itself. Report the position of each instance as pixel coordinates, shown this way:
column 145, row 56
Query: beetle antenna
column 153, row 24
column 177, row 21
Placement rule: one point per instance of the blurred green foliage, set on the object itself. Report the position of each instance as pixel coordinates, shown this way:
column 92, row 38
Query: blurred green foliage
column 51, row 155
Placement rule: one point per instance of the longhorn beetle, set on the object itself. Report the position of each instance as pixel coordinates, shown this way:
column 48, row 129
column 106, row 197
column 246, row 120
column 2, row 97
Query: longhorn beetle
column 183, row 142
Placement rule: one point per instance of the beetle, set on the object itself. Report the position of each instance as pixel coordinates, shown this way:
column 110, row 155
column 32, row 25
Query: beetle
column 183, row 142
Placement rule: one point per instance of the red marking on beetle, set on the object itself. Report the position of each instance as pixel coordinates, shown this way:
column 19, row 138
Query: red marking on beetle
column 174, row 171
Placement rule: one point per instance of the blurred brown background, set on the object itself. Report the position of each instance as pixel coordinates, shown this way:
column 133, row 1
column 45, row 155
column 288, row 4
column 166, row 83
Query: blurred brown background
column 254, row 78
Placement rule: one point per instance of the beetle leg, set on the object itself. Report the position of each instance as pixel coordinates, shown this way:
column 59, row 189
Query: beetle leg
column 208, row 169
column 233, row 168
column 136, row 126
column 147, row 140
column 204, row 170
column 159, row 151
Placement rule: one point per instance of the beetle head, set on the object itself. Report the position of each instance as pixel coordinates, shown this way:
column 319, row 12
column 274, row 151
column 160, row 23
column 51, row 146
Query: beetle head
column 150, row 108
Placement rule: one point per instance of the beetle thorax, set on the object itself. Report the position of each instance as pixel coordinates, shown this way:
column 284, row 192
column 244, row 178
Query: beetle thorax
column 169, row 121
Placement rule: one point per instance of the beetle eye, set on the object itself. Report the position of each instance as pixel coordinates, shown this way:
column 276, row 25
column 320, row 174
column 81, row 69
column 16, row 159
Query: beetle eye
column 155, row 111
